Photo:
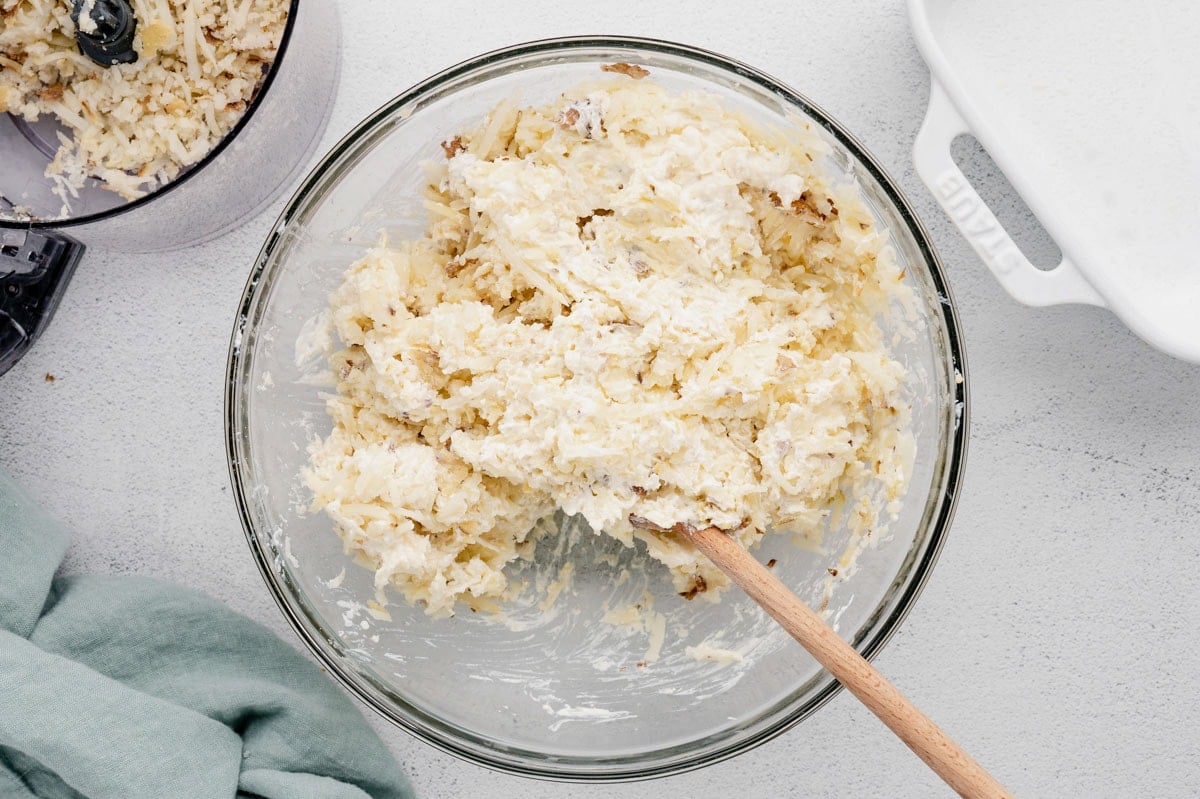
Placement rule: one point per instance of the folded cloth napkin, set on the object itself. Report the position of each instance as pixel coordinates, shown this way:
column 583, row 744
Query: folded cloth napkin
column 124, row 687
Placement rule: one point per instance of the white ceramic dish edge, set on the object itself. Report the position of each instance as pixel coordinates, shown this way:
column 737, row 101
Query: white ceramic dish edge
column 953, row 112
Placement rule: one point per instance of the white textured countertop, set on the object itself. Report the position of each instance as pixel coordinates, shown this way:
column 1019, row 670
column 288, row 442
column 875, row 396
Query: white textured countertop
column 1058, row 636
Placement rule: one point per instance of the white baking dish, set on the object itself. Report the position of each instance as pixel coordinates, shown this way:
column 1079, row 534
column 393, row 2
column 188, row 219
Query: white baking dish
column 1091, row 109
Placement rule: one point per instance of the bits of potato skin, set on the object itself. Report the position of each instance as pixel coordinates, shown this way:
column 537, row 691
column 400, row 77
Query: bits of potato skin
column 457, row 265
column 806, row 206
column 699, row 586
column 51, row 94
column 453, row 147
column 629, row 70
column 569, row 117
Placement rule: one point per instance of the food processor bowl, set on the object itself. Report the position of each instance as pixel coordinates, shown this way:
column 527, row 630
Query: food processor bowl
column 548, row 688
column 263, row 153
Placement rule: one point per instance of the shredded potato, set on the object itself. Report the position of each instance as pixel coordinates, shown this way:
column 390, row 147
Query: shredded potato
column 628, row 303
column 136, row 126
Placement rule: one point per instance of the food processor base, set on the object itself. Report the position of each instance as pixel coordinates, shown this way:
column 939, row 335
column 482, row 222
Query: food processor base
column 35, row 268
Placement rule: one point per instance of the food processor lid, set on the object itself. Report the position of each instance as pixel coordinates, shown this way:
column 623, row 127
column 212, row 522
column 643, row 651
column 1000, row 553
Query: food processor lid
column 28, row 199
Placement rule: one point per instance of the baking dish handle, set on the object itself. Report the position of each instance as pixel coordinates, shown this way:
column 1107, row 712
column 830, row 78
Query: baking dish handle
column 935, row 164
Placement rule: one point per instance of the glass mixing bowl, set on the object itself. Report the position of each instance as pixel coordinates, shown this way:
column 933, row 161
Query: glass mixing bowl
column 559, row 693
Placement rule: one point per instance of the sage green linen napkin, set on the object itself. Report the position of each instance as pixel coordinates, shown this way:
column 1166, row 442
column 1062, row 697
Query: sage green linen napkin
column 125, row 687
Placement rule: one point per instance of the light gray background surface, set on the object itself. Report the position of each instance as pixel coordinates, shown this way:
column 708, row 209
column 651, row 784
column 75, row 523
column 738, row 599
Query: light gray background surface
column 1057, row 638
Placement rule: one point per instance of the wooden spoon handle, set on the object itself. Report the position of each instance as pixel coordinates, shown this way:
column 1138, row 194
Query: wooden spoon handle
column 938, row 750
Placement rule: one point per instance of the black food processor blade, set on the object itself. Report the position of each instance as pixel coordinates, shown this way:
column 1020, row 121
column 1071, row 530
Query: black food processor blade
column 107, row 31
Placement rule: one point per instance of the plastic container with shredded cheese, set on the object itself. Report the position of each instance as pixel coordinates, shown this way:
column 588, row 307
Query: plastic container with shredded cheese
column 604, row 671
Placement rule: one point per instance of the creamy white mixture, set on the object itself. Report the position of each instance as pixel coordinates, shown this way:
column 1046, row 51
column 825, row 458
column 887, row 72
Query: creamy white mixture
column 627, row 303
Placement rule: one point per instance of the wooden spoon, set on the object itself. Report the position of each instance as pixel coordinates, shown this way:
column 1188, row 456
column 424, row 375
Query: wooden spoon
column 938, row 750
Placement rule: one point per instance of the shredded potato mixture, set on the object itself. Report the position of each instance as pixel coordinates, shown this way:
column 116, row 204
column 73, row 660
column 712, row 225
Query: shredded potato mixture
column 628, row 303
column 136, row 126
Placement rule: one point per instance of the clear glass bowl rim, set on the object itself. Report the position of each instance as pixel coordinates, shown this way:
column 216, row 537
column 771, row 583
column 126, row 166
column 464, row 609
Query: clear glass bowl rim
column 462, row 743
